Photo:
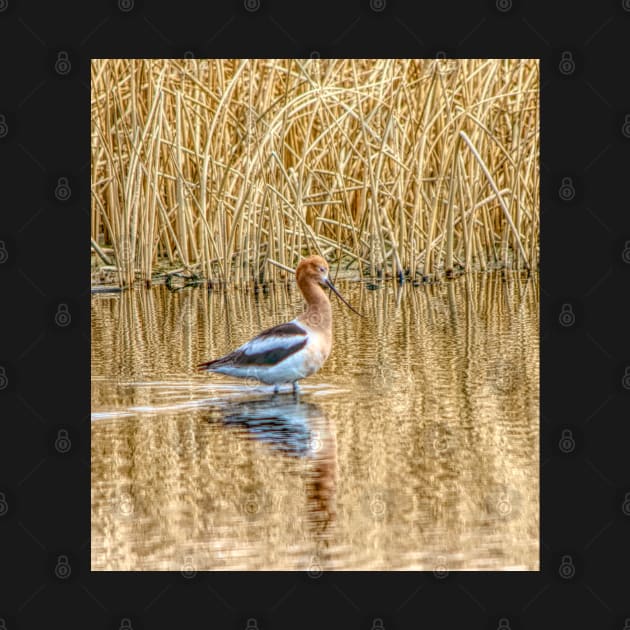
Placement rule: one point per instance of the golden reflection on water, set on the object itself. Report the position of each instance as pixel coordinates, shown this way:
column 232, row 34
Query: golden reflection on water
column 416, row 447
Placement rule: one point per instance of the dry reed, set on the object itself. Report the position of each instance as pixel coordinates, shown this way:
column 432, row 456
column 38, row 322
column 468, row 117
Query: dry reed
column 413, row 168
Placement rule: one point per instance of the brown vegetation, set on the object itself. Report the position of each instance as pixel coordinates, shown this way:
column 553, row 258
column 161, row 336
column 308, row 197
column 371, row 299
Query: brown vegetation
column 403, row 167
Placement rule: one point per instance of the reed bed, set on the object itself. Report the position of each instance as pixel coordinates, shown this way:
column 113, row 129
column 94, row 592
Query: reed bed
column 231, row 170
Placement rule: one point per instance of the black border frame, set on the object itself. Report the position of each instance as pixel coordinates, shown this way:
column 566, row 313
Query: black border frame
column 585, row 263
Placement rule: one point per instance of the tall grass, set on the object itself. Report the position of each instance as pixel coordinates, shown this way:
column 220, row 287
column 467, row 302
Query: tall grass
column 404, row 167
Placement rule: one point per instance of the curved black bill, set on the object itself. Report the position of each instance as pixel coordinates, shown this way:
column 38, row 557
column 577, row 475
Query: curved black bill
column 331, row 286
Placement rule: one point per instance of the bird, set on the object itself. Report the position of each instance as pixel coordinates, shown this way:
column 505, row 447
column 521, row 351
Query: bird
column 289, row 352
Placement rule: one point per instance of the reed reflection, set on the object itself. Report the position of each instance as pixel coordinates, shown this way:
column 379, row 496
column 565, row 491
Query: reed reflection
column 417, row 439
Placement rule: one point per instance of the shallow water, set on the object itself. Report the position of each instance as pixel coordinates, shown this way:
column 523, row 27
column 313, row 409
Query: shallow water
column 414, row 448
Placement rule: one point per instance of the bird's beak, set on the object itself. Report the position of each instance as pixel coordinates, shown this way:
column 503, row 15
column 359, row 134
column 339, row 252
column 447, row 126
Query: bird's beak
column 331, row 286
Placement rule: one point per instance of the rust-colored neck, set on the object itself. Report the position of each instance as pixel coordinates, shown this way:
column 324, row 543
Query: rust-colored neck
column 318, row 313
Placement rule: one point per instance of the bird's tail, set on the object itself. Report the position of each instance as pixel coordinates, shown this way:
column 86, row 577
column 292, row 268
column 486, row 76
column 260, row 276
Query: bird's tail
column 207, row 366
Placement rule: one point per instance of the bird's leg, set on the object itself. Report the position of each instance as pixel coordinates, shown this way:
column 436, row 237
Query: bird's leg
column 296, row 387
column 275, row 389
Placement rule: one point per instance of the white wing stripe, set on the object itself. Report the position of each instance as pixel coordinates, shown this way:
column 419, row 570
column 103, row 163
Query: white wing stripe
column 257, row 346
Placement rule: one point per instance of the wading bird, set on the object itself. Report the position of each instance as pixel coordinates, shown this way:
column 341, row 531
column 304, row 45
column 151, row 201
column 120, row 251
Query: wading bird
column 289, row 352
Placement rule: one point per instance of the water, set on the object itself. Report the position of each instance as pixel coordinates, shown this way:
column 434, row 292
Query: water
column 416, row 446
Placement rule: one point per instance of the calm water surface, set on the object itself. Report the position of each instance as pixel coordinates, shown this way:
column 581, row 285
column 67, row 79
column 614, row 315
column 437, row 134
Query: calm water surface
column 414, row 448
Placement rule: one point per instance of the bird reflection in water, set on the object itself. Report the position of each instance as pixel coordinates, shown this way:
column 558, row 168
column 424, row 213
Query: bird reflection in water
column 288, row 425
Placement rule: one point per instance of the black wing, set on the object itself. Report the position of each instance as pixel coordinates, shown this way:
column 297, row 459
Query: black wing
column 266, row 356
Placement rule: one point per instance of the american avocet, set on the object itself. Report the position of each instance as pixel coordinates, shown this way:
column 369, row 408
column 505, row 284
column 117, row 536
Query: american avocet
column 292, row 351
